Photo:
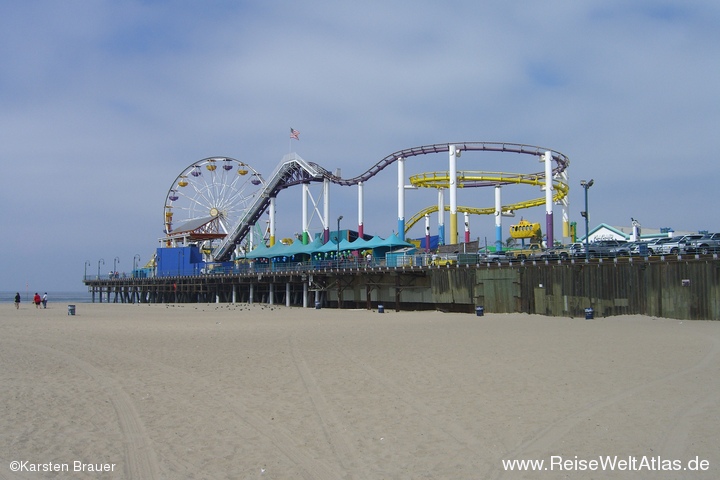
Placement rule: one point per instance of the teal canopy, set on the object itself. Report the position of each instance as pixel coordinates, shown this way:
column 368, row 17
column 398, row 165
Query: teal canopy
column 316, row 246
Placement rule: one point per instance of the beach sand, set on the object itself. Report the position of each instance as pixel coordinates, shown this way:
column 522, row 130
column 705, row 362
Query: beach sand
column 257, row 392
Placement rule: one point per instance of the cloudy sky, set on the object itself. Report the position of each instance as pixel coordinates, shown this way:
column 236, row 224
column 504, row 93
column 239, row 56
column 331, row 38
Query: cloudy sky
column 104, row 103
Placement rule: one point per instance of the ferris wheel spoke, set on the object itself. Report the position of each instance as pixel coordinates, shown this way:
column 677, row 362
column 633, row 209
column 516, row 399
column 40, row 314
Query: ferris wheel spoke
column 198, row 201
column 240, row 194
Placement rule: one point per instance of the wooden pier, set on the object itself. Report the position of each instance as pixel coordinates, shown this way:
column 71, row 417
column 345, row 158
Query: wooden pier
column 683, row 287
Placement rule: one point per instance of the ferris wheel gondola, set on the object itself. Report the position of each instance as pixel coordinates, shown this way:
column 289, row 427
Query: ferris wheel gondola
column 210, row 196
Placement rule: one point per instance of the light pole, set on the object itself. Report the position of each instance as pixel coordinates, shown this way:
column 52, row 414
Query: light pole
column 136, row 259
column 87, row 264
column 115, row 262
column 338, row 241
column 586, row 186
column 103, row 262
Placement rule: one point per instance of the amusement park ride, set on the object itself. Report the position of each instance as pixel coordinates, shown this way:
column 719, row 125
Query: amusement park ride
column 217, row 202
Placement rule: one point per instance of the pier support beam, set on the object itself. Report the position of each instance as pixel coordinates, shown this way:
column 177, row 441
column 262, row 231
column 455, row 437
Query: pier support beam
column 452, row 172
column 498, row 219
column 401, row 198
column 549, row 199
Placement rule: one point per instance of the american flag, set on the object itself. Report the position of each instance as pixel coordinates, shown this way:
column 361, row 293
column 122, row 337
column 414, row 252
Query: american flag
column 294, row 134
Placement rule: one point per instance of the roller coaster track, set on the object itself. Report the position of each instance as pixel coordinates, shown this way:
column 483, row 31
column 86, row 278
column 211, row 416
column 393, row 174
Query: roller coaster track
column 467, row 179
column 294, row 171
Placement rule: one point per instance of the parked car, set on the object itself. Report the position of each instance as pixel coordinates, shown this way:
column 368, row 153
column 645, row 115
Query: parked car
column 577, row 250
column 638, row 249
column 611, row 248
column 559, row 252
column 677, row 245
column 655, row 245
column 502, row 256
column 709, row 243
column 443, row 260
column 532, row 251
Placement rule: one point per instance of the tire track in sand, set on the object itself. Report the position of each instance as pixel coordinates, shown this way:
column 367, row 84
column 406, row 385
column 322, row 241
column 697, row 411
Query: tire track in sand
column 553, row 433
column 460, row 434
column 311, row 468
column 140, row 459
column 331, row 426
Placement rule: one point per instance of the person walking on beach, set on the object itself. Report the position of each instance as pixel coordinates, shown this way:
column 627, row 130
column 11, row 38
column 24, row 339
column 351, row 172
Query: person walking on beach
column 17, row 300
column 44, row 300
column 37, row 300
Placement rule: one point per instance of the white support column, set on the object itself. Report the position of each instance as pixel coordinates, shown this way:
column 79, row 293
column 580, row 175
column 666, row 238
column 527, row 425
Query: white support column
column 305, row 294
column 272, row 221
column 271, row 296
column 287, row 294
column 452, row 172
column 326, row 211
column 498, row 219
column 549, row 199
column 305, row 195
column 251, row 296
column 361, row 227
column 565, row 211
column 427, row 232
column 401, row 198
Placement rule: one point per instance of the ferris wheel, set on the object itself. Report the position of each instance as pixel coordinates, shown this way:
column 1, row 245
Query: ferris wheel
column 209, row 197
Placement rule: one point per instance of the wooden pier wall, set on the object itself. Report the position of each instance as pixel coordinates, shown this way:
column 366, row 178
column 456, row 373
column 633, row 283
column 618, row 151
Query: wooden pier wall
column 674, row 288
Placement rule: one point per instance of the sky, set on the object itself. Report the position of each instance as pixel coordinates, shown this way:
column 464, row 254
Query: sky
column 104, row 103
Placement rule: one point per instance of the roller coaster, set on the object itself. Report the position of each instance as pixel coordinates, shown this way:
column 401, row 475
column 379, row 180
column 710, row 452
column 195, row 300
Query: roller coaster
column 293, row 170
column 469, row 179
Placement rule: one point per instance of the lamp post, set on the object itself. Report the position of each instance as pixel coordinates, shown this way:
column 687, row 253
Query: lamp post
column 87, row 264
column 136, row 259
column 103, row 262
column 586, row 186
column 338, row 241
column 115, row 262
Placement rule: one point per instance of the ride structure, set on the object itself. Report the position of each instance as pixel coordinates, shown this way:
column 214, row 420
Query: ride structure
column 525, row 230
column 207, row 199
column 470, row 179
column 222, row 213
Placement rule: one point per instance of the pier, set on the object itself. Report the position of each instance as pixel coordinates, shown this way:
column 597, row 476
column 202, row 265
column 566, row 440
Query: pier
column 683, row 287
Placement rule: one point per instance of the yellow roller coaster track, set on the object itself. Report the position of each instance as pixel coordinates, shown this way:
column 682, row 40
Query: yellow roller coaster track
column 468, row 179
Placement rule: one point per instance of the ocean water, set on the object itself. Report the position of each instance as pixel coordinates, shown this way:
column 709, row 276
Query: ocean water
column 53, row 297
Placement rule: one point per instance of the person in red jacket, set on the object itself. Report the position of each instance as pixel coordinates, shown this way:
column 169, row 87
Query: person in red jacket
column 37, row 300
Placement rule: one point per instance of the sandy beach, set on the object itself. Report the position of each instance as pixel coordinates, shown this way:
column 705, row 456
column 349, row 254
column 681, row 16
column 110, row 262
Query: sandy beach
column 258, row 392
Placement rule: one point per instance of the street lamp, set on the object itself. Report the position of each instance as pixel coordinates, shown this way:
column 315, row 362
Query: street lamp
column 586, row 186
column 115, row 262
column 103, row 262
column 136, row 259
column 338, row 241
column 87, row 264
